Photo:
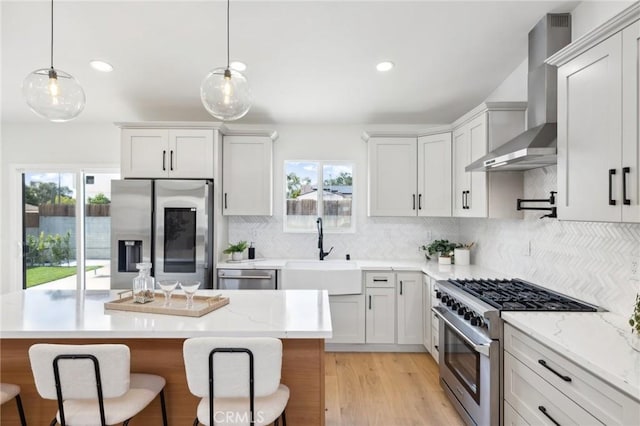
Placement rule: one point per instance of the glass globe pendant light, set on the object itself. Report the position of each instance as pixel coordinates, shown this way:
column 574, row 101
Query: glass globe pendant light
column 52, row 93
column 225, row 92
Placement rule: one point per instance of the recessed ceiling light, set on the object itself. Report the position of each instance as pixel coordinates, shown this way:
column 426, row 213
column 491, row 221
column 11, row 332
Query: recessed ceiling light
column 99, row 65
column 238, row 66
column 384, row 66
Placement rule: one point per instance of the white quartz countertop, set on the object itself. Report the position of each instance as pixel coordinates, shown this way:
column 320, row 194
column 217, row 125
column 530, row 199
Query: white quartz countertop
column 601, row 343
column 431, row 268
column 37, row 313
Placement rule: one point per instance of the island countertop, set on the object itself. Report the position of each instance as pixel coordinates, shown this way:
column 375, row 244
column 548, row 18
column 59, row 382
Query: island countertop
column 285, row 314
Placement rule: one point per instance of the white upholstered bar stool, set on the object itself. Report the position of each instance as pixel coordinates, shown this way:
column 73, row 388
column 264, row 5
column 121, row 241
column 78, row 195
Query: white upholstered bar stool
column 92, row 383
column 238, row 380
column 7, row 393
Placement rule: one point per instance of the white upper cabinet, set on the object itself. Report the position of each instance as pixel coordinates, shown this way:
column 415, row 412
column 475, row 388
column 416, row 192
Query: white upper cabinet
column 167, row 153
column 247, row 175
column 469, row 188
column 392, row 177
column 410, row 176
column 434, row 175
column 482, row 194
column 598, row 145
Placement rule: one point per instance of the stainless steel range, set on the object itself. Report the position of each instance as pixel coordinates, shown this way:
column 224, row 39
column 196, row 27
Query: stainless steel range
column 470, row 330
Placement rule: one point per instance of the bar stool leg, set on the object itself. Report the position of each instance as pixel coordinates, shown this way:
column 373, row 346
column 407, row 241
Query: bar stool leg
column 23, row 421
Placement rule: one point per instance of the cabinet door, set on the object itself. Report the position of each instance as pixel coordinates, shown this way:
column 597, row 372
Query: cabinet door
column 477, row 197
column 380, row 315
column 630, row 114
column 434, row 175
column 589, row 134
column 392, row 177
column 409, row 297
column 144, row 153
column 347, row 318
column 461, row 179
column 191, row 153
column 247, row 175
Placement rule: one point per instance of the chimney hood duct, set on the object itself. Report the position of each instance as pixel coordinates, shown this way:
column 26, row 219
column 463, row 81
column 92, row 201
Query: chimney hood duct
column 536, row 147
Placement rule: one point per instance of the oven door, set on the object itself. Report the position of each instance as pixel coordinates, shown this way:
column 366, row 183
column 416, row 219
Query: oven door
column 469, row 369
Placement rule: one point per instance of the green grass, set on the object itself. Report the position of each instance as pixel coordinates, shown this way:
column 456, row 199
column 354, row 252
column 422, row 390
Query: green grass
column 44, row 274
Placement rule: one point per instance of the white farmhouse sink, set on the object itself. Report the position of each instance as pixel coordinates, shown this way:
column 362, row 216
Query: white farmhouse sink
column 336, row 276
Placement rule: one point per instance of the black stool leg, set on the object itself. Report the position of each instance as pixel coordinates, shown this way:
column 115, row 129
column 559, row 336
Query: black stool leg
column 164, row 408
column 54, row 422
column 196, row 422
column 23, row 421
column 284, row 418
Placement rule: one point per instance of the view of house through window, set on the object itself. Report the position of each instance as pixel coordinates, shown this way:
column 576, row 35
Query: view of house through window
column 318, row 189
column 49, row 229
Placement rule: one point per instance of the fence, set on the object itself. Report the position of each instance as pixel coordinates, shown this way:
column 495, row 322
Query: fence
column 297, row 207
column 93, row 210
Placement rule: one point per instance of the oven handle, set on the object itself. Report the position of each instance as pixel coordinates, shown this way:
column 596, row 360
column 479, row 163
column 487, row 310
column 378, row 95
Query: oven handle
column 480, row 348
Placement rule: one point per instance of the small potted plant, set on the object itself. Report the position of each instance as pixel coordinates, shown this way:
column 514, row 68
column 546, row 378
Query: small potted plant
column 443, row 248
column 235, row 250
column 634, row 321
column 462, row 253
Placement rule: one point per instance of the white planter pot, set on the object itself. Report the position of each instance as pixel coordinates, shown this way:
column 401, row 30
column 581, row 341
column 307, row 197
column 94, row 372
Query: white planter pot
column 462, row 256
column 442, row 260
column 236, row 256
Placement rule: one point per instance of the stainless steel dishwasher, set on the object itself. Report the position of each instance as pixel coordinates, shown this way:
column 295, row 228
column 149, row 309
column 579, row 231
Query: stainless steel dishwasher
column 247, row 279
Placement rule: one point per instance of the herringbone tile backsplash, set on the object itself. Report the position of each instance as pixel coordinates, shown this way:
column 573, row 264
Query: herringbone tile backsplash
column 595, row 262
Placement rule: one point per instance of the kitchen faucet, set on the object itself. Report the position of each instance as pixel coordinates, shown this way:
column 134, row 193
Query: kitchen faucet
column 323, row 254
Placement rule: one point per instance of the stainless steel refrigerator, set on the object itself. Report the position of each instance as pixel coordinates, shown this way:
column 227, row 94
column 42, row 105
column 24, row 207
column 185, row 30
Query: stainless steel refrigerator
column 166, row 222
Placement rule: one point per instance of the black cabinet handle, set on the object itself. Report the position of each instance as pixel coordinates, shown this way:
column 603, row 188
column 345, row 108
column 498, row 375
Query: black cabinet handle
column 414, row 201
column 369, row 302
column 379, row 280
column 436, row 346
column 225, row 200
column 465, row 199
column 164, row 160
column 419, row 201
column 543, row 363
column 612, row 172
column 544, row 411
column 400, row 288
column 625, row 172
column 463, row 192
column 171, row 161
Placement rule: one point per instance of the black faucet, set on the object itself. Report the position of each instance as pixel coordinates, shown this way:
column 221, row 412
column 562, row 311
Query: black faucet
column 323, row 254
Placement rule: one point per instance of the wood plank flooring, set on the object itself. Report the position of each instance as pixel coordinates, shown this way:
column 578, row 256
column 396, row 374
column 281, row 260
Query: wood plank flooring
column 385, row 389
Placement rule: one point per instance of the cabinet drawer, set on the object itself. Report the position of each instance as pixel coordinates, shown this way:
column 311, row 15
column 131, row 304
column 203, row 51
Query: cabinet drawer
column 379, row 279
column 593, row 394
column 512, row 418
column 537, row 401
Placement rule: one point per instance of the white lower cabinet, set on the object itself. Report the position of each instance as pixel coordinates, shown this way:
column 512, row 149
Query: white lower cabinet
column 426, row 312
column 409, row 297
column 381, row 315
column 540, row 385
column 435, row 323
column 347, row 318
column 512, row 418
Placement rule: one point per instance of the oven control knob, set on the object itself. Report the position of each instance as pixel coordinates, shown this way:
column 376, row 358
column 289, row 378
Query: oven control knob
column 475, row 321
column 444, row 298
column 462, row 310
column 468, row 315
column 450, row 301
column 438, row 295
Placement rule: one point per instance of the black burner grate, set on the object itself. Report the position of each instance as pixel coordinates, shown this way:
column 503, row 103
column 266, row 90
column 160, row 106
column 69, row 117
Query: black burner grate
column 518, row 295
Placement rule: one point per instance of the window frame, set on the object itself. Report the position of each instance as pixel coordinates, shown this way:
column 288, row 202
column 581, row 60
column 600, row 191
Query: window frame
column 320, row 167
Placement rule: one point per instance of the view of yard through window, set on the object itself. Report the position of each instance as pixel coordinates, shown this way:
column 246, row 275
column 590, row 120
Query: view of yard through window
column 318, row 189
column 50, row 252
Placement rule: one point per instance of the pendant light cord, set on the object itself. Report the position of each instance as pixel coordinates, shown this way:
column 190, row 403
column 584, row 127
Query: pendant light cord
column 228, row 62
column 51, row 34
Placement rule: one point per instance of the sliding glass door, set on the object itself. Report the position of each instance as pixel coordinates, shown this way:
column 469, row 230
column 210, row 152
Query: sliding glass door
column 60, row 236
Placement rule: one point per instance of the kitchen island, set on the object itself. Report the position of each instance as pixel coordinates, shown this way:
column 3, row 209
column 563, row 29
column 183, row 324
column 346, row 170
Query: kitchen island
column 301, row 318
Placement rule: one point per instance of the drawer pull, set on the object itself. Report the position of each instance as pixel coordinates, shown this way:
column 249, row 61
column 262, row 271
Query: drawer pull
column 380, row 280
column 543, row 363
column 544, row 411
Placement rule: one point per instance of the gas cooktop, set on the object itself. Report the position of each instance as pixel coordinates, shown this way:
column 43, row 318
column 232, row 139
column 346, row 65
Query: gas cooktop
column 518, row 295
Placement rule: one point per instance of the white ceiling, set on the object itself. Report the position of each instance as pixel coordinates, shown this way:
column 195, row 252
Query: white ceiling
column 309, row 62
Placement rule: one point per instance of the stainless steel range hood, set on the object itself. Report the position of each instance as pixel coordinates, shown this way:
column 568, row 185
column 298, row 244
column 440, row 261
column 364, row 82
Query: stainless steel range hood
column 536, row 147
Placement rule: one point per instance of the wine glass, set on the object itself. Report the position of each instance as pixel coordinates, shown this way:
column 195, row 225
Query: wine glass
column 167, row 287
column 190, row 288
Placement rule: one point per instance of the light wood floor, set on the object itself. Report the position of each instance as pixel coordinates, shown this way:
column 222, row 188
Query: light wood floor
column 385, row 389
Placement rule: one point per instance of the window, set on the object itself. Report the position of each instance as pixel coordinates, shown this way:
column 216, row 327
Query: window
column 318, row 189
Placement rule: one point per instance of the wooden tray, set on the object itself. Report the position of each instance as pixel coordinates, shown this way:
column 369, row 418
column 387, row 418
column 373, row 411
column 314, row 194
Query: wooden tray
column 201, row 304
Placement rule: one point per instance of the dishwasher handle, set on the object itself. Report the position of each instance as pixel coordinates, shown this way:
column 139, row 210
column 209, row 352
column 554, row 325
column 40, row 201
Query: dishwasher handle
column 245, row 277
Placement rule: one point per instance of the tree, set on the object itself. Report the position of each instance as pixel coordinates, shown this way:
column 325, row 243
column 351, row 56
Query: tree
column 344, row 179
column 100, row 198
column 294, row 186
column 38, row 193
